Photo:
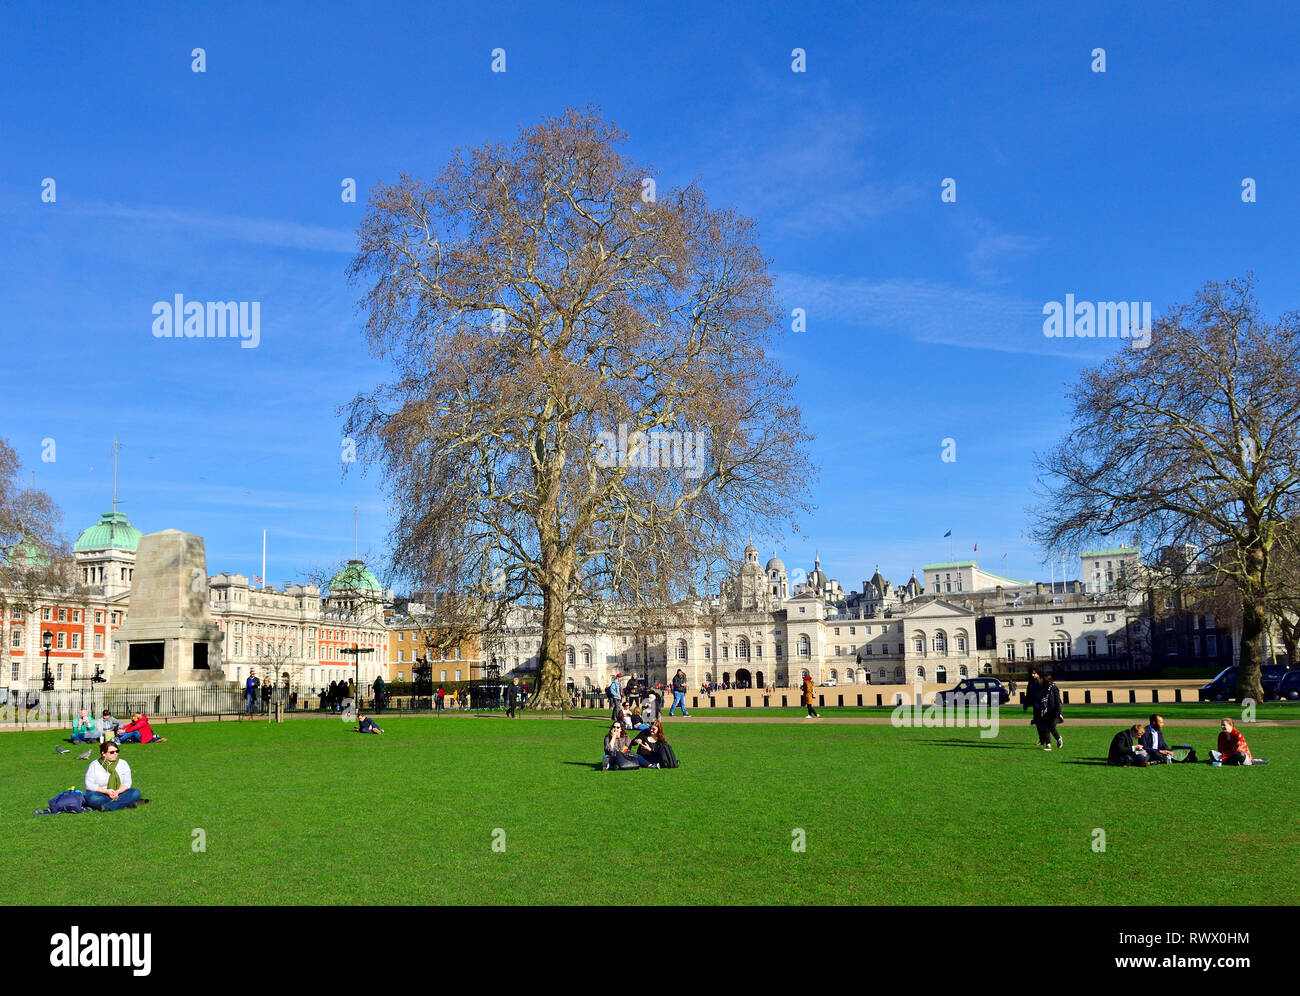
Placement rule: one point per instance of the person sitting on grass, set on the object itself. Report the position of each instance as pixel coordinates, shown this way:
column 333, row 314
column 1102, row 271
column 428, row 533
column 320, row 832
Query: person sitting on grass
column 1233, row 748
column 651, row 741
column 1126, row 748
column 1153, row 742
column 108, row 726
column 108, row 781
column 139, row 731
column 616, row 742
column 367, row 725
column 84, row 730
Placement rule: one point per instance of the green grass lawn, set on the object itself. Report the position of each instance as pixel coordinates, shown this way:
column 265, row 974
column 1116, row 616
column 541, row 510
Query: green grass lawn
column 307, row 812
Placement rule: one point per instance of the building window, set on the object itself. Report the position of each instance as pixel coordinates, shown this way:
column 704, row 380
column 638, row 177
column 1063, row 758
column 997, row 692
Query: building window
column 1008, row 621
column 837, row 650
column 570, row 657
column 1092, row 647
column 1028, row 620
column 805, row 647
column 586, row 657
column 13, row 672
column 708, row 652
column 1058, row 620
column 1029, row 650
column 45, row 613
column 59, row 641
column 63, row 615
column 443, row 675
column 918, row 644
column 1112, row 647
column 1090, row 617
column 961, row 645
column 940, row 643
column 99, row 641
column 60, row 671
column 76, row 615
column 1110, row 617
column 1010, row 652
column 1060, row 650
column 17, row 640
column 76, row 641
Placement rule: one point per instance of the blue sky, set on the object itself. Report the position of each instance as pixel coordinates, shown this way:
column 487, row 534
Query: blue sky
column 924, row 318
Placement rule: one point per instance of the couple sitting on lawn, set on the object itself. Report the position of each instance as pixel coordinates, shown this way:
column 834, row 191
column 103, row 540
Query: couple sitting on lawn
column 648, row 749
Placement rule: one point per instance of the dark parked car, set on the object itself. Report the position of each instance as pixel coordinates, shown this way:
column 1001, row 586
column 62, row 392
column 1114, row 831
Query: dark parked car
column 1224, row 686
column 1288, row 689
column 980, row 690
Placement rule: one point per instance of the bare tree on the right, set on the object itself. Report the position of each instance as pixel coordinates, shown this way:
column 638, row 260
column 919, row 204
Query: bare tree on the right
column 1193, row 441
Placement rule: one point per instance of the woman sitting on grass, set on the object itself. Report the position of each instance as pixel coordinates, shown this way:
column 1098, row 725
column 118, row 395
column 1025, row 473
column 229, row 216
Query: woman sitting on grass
column 616, row 744
column 652, row 740
column 108, row 781
column 139, row 731
column 1233, row 748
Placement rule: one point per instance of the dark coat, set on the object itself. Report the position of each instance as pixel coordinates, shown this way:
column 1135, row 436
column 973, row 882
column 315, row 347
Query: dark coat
column 512, row 694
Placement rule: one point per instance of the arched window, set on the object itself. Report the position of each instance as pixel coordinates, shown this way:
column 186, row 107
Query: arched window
column 805, row 646
column 898, row 674
column 920, row 674
column 569, row 656
column 834, row 676
column 961, row 672
column 742, row 649
column 883, row 675
column 940, row 642
column 681, row 650
column 586, row 657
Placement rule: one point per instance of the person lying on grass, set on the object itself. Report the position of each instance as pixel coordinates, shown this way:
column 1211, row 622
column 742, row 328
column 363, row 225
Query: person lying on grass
column 108, row 781
column 367, row 725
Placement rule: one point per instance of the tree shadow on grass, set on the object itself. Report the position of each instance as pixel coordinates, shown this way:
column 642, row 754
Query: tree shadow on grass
column 971, row 743
column 1104, row 764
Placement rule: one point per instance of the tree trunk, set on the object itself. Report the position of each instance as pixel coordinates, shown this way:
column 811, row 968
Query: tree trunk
column 1248, row 675
column 551, row 692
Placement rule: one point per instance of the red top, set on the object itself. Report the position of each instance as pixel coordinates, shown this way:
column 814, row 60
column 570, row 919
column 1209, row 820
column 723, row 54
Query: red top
column 141, row 724
column 1232, row 742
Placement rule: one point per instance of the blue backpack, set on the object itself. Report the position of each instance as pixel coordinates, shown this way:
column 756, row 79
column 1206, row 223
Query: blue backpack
column 71, row 801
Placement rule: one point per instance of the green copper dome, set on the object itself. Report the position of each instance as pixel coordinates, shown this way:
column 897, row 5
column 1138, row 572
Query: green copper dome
column 27, row 554
column 113, row 531
column 354, row 577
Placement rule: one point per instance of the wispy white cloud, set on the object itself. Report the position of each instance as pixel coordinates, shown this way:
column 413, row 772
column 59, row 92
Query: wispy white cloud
column 256, row 231
column 933, row 313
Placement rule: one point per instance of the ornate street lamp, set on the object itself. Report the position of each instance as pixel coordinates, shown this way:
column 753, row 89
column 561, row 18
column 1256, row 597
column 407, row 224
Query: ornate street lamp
column 47, row 641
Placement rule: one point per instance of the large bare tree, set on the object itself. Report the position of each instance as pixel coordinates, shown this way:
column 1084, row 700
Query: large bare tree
column 584, row 407
column 1192, row 441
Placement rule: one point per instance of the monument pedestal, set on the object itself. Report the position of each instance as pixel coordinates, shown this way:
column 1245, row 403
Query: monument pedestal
column 169, row 636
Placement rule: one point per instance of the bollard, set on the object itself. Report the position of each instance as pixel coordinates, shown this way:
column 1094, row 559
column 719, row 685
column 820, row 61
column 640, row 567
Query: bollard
column 1087, row 696
column 1065, row 698
column 821, row 701
column 713, row 703
column 879, row 701
column 1132, row 696
column 841, row 699
column 1178, row 695
column 729, row 704
column 859, row 700
column 746, row 701
column 1155, row 695
column 1110, row 696
column 783, row 701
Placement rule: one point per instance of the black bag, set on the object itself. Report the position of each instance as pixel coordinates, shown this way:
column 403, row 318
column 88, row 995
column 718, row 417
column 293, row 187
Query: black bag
column 667, row 759
column 622, row 762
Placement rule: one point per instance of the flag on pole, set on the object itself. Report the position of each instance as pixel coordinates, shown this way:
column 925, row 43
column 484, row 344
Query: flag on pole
column 947, row 534
column 257, row 579
column 977, row 548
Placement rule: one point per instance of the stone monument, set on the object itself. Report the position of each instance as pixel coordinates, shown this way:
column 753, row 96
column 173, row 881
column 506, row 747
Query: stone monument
column 169, row 636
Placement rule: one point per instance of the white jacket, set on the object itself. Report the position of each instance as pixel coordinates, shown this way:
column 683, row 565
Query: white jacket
column 97, row 776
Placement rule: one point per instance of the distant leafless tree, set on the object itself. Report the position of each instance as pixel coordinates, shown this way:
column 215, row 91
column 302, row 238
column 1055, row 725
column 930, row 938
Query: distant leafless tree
column 1193, row 441
column 584, row 406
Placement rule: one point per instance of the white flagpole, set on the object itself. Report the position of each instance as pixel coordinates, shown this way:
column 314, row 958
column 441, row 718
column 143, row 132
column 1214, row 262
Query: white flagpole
column 263, row 558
